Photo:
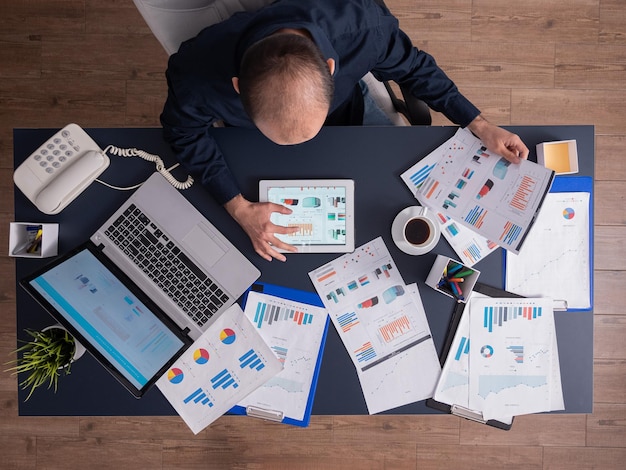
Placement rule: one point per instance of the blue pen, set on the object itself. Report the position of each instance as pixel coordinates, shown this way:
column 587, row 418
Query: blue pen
column 458, row 267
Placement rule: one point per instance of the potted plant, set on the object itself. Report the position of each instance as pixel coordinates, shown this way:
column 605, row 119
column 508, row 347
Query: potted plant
column 45, row 357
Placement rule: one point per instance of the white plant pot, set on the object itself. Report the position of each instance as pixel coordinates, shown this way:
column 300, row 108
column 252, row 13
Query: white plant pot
column 79, row 349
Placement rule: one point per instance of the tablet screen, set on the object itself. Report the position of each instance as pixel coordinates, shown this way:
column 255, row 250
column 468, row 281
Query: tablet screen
column 323, row 211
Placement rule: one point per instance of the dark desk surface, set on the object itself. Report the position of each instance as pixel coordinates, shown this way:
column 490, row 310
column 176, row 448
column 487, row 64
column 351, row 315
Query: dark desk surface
column 374, row 158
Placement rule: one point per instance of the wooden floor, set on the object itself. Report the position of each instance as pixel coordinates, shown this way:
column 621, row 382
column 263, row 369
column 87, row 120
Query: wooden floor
column 522, row 62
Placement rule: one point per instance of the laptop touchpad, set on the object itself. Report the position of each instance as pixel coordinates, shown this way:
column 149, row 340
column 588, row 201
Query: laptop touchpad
column 203, row 246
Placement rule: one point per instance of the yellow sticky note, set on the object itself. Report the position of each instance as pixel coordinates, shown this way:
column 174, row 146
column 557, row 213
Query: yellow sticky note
column 557, row 157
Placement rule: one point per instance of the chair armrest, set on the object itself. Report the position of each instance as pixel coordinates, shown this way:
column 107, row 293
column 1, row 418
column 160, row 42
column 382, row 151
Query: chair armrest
column 414, row 109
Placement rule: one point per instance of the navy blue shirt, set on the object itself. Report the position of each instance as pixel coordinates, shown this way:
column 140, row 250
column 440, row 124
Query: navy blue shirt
column 360, row 35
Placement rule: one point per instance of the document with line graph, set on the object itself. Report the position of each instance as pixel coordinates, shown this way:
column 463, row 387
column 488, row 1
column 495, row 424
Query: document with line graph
column 382, row 324
column 557, row 261
column 465, row 181
column 513, row 357
column 296, row 331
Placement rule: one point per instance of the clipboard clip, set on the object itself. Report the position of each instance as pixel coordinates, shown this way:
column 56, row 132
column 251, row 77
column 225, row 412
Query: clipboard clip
column 466, row 413
column 270, row 415
column 559, row 305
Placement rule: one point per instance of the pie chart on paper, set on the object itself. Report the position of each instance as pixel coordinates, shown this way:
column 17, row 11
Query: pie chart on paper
column 175, row 375
column 568, row 213
column 201, row 356
column 227, row 336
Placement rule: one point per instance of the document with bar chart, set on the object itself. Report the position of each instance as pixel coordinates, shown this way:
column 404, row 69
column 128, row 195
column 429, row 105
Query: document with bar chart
column 229, row 361
column 453, row 385
column 513, row 357
column 468, row 245
column 480, row 189
column 295, row 332
column 382, row 324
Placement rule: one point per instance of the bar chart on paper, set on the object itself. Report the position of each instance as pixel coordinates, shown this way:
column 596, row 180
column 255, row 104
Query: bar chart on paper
column 270, row 312
column 505, row 334
column 496, row 316
column 294, row 331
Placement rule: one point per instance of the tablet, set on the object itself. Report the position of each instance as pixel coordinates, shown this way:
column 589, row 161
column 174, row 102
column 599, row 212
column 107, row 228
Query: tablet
column 322, row 209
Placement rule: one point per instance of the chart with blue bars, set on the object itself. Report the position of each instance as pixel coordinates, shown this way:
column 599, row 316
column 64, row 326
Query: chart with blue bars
column 463, row 348
column 421, row 174
column 365, row 352
column 498, row 315
column 518, row 353
column 267, row 314
column 223, row 380
column 251, row 360
column 199, row 397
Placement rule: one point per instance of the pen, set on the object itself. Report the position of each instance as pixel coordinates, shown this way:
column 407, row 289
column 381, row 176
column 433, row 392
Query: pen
column 456, row 268
column 34, row 246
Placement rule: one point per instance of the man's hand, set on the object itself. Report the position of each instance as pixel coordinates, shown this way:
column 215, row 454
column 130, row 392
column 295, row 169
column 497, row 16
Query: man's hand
column 254, row 218
column 499, row 140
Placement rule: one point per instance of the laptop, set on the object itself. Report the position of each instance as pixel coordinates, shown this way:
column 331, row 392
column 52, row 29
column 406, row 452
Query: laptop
column 150, row 280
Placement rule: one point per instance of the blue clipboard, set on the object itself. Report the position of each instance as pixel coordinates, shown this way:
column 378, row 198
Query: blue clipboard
column 304, row 297
column 573, row 184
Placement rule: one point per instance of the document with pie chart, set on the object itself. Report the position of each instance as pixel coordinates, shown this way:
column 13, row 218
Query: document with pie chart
column 229, row 361
column 513, row 357
column 555, row 261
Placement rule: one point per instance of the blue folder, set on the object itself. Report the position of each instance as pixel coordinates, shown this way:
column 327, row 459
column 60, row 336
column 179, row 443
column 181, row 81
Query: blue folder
column 304, row 297
column 573, row 184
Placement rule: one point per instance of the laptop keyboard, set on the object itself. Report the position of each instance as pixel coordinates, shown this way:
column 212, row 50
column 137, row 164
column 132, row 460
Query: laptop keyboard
column 163, row 262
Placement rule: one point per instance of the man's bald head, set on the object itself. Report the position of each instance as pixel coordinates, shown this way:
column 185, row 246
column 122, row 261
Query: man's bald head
column 286, row 87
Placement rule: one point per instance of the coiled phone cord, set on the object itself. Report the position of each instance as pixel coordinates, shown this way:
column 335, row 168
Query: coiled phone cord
column 160, row 167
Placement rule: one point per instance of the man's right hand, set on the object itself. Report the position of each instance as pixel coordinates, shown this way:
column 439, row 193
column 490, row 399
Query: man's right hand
column 254, row 218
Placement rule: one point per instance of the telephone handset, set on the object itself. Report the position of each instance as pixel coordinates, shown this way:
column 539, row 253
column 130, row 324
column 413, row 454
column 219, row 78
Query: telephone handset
column 63, row 166
column 60, row 169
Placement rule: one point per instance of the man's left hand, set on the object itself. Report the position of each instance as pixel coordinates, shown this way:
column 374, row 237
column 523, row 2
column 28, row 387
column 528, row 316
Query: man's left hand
column 499, row 140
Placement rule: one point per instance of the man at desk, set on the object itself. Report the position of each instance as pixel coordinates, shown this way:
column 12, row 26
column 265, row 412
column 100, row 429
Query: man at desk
column 288, row 69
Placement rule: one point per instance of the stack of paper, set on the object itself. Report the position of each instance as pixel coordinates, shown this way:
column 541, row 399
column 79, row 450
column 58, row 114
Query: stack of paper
column 295, row 332
column 468, row 185
column 382, row 324
column 504, row 360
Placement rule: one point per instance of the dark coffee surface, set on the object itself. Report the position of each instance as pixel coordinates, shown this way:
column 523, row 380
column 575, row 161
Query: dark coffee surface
column 417, row 231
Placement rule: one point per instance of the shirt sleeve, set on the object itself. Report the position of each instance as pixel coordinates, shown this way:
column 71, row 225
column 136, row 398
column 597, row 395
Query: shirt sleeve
column 418, row 71
column 186, row 127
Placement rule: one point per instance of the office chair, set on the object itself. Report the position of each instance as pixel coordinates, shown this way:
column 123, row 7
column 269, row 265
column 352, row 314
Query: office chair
column 174, row 21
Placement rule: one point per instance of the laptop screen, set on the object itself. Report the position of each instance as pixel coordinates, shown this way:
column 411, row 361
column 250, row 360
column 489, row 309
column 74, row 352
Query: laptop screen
column 112, row 317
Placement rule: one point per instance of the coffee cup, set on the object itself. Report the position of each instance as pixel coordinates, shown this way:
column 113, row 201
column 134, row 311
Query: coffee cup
column 415, row 230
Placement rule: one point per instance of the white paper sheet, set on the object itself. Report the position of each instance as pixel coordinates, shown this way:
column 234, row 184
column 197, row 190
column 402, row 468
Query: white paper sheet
column 554, row 261
column 480, row 190
column 225, row 364
column 513, row 357
column 382, row 324
column 468, row 245
column 294, row 331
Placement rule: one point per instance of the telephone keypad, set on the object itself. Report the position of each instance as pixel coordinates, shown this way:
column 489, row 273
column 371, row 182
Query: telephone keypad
column 57, row 151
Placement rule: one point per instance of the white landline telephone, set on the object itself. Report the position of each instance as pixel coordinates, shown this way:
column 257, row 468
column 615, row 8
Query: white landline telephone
column 66, row 164
column 60, row 169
